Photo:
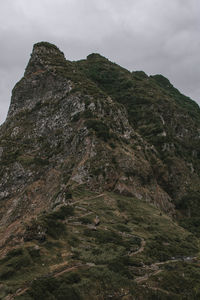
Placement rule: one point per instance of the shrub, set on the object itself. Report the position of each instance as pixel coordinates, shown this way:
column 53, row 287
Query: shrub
column 62, row 213
column 118, row 266
column 6, row 272
column 42, row 288
column 121, row 205
column 88, row 114
column 104, row 236
column 14, row 252
column 122, row 228
column 100, row 128
column 66, row 292
column 15, row 260
column 54, row 228
column 34, row 252
column 52, row 288
column 72, row 278
column 85, row 220
column 19, row 262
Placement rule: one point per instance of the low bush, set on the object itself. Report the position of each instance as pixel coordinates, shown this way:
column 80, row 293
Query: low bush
column 14, row 261
column 55, row 289
column 6, row 272
column 100, row 128
column 85, row 220
column 118, row 267
column 54, row 228
column 102, row 237
column 62, row 213
column 122, row 228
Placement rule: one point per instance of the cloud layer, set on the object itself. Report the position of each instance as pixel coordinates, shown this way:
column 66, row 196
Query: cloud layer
column 157, row 36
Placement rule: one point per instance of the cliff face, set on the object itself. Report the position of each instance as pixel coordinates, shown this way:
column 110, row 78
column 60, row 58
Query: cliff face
column 93, row 124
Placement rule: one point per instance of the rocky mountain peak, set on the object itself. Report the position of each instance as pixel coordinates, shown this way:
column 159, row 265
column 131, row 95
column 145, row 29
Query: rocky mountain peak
column 44, row 56
column 98, row 166
column 38, row 78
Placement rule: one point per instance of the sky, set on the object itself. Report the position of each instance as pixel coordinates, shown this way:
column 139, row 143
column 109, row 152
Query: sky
column 156, row 36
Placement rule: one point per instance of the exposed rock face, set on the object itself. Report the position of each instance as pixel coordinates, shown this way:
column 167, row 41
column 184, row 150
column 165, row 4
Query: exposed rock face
column 39, row 79
column 65, row 130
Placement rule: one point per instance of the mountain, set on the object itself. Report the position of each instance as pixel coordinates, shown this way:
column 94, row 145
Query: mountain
column 99, row 184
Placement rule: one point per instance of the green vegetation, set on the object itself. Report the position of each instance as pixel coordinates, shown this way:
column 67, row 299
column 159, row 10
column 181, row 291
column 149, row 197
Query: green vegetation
column 52, row 222
column 182, row 279
column 15, row 261
column 48, row 224
column 52, row 288
column 189, row 205
column 63, row 212
column 190, row 106
column 100, row 128
column 101, row 261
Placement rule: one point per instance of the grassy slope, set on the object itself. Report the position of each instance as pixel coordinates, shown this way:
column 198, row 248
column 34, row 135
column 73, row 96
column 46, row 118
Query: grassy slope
column 132, row 246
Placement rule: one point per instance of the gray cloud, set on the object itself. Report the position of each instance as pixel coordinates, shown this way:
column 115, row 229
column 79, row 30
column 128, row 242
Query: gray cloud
column 156, row 36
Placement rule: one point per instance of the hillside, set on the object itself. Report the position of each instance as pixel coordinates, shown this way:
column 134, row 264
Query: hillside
column 99, row 184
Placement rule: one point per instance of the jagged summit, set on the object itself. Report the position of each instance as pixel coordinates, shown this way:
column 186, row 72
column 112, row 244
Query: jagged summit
column 45, row 61
column 44, row 56
column 46, row 46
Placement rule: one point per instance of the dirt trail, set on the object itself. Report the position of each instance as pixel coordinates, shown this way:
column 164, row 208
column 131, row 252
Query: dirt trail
column 159, row 289
column 88, row 198
column 172, row 261
column 59, row 273
column 141, row 249
column 19, row 292
column 142, row 278
column 152, row 268
column 147, row 276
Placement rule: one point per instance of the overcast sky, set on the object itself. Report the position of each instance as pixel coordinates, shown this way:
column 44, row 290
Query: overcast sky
column 156, row 36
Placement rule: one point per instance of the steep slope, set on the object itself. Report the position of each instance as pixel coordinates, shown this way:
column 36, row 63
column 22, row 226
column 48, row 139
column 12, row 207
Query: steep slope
column 164, row 117
column 57, row 135
column 95, row 159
